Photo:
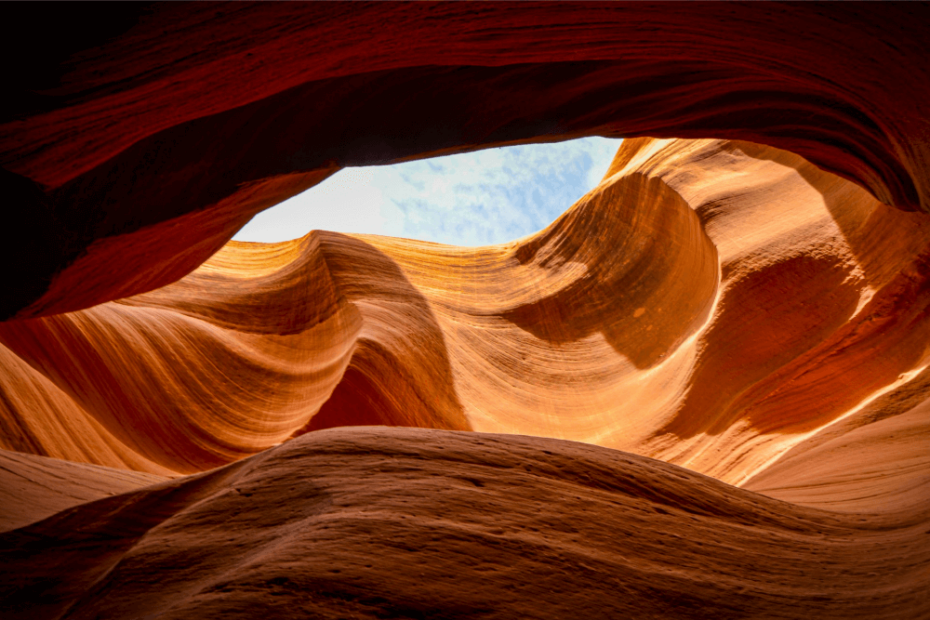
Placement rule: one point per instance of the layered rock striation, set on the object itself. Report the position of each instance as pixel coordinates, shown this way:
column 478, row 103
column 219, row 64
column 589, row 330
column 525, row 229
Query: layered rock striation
column 417, row 523
column 712, row 304
column 231, row 108
column 703, row 391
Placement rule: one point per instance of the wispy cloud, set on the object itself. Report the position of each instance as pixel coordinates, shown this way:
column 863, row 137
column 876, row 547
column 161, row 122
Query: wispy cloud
column 479, row 198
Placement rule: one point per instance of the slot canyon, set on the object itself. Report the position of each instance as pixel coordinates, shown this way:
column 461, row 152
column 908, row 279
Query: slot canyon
column 703, row 391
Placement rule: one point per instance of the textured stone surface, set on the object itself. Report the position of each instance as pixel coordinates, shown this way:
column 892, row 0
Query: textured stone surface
column 190, row 118
column 412, row 523
column 35, row 487
column 737, row 316
column 713, row 304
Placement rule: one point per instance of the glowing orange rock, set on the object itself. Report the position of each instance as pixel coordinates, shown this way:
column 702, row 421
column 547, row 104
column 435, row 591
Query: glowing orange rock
column 712, row 304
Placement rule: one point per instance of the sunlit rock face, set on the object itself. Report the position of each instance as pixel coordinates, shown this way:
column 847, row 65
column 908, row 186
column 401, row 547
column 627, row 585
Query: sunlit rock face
column 701, row 392
column 718, row 305
column 709, row 303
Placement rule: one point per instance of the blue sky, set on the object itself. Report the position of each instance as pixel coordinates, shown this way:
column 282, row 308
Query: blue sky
column 472, row 199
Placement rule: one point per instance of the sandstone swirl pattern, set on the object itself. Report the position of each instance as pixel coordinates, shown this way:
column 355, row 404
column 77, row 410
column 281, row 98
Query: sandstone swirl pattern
column 717, row 305
column 712, row 304
column 736, row 311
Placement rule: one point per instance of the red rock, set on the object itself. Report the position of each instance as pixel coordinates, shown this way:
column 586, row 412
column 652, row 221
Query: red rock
column 200, row 113
column 727, row 305
column 374, row 522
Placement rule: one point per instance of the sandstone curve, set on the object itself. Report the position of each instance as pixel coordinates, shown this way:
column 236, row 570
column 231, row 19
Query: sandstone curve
column 157, row 141
column 373, row 522
column 704, row 391
column 35, row 487
column 713, row 304
column 718, row 305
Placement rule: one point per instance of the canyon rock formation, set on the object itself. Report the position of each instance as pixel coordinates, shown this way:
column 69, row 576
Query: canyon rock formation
column 703, row 391
column 412, row 523
column 230, row 108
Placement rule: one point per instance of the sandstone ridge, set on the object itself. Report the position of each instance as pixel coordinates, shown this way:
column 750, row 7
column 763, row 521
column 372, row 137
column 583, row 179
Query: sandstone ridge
column 652, row 317
column 372, row 522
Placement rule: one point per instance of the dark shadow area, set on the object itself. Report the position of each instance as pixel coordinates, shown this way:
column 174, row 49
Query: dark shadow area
column 43, row 44
column 650, row 272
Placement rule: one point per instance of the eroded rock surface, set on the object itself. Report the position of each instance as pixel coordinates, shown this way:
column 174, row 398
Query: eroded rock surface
column 713, row 304
column 413, row 523
column 230, row 109
column 738, row 323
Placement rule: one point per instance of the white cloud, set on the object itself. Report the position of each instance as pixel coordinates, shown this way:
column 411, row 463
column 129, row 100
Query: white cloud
column 479, row 198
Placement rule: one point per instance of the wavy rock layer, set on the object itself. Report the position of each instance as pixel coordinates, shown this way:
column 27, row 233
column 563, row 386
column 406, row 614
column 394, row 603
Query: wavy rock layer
column 152, row 135
column 718, row 305
column 35, row 487
column 412, row 523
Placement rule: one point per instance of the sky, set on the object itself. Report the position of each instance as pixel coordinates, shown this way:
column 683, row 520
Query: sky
column 472, row 199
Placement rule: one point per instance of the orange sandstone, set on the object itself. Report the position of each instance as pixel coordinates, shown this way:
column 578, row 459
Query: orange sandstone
column 738, row 318
column 712, row 304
